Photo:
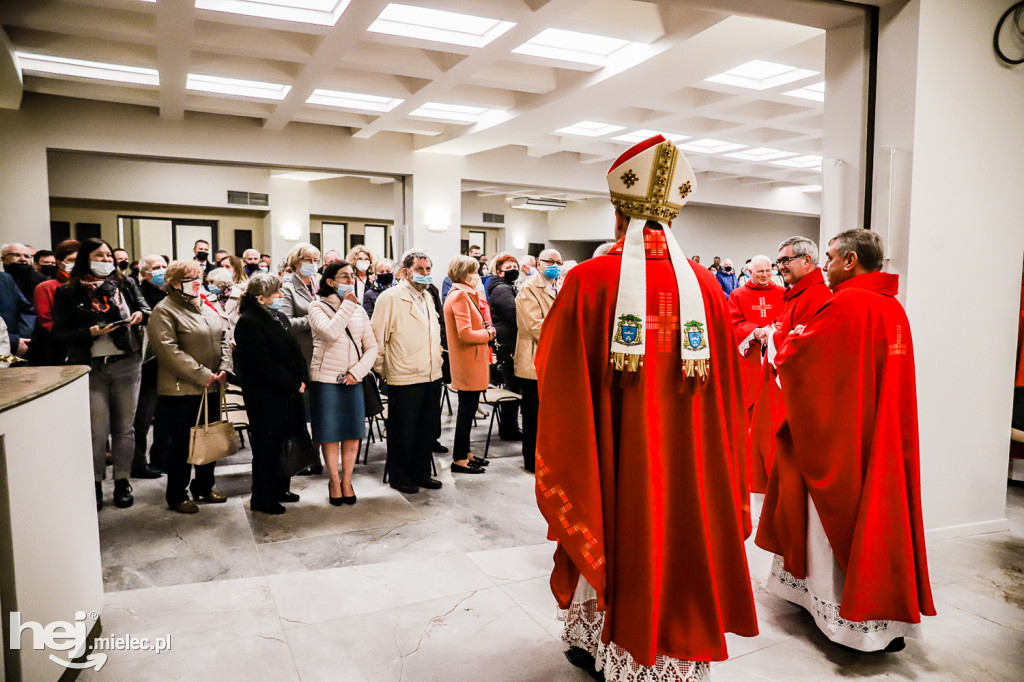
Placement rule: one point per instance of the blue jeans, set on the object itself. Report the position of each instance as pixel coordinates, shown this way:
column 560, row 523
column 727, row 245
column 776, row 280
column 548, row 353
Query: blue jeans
column 113, row 395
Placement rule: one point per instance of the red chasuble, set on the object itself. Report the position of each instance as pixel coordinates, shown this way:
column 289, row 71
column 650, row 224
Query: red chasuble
column 640, row 475
column 752, row 307
column 799, row 303
column 850, row 441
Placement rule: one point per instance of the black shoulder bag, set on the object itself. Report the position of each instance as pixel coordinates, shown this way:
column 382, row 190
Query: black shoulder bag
column 371, row 393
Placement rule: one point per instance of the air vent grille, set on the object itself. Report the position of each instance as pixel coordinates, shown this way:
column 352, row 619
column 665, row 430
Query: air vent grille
column 248, row 198
column 498, row 218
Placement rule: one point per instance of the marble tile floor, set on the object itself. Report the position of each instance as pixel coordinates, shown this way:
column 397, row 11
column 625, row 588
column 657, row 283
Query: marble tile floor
column 452, row 585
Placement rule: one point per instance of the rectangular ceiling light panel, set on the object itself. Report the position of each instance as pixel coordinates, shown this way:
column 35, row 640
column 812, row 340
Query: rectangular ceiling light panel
column 814, row 92
column 80, row 68
column 438, row 25
column 803, row 162
column 321, row 12
column 762, row 75
column 590, row 129
column 452, row 113
column 760, row 154
column 641, row 135
column 709, row 146
column 237, row 87
column 353, row 100
column 572, row 46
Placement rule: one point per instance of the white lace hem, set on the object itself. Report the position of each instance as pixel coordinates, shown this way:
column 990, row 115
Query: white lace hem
column 583, row 626
column 744, row 347
column 867, row 635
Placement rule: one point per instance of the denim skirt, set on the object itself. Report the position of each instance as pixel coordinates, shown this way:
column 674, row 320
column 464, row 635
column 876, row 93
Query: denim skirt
column 338, row 412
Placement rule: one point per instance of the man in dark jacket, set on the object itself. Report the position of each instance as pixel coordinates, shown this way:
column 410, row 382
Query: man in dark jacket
column 727, row 277
column 151, row 274
column 15, row 311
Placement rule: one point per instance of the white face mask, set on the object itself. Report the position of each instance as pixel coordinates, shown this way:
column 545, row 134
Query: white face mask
column 101, row 268
column 68, row 265
column 362, row 265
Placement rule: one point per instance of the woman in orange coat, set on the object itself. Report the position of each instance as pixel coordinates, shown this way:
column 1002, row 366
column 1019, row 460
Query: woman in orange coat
column 469, row 331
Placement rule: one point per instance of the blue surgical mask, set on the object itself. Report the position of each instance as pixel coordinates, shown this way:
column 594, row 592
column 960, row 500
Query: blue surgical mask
column 214, row 291
column 276, row 303
column 344, row 289
column 422, row 279
column 158, row 278
column 553, row 272
column 307, row 269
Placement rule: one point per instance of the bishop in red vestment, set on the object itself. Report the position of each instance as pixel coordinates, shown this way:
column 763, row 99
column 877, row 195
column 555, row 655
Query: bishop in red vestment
column 798, row 264
column 843, row 505
column 639, row 469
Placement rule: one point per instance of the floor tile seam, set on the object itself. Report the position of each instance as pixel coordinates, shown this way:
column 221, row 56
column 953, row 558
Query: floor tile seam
column 261, row 578
column 528, row 614
column 173, row 556
column 311, row 537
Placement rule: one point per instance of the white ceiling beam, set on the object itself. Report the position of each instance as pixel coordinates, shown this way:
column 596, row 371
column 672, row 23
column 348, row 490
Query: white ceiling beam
column 175, row 24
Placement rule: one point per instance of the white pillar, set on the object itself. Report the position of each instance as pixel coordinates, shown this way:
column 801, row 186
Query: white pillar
column 434, row 200
column 23, row 184
column 965, row 239
column 288, row 220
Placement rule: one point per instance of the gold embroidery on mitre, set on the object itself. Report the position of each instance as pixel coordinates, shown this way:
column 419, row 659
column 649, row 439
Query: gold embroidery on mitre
column 685, row 189
column 629, row 178
column 655, row 205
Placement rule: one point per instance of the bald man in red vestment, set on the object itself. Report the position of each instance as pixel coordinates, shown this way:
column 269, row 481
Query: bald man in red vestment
column 806, row 292
column 842, row 511
column 639, row 468
column 754, row 305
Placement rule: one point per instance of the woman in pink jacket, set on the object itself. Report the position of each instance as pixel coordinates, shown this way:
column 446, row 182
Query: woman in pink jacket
column 469, row 331
column 344, row 349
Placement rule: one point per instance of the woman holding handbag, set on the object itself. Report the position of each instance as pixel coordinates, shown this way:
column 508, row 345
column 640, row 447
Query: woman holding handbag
column 187, row 336
column 344, row 350
column 272, row 372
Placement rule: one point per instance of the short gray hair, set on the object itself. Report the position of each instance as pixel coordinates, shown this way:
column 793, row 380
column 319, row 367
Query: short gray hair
column 262, row 284
column 245, row 254
column 865, row 243
column 410, row 257
column 760, row 258
column 802, row 246
column 221, row 277
column 146, row 264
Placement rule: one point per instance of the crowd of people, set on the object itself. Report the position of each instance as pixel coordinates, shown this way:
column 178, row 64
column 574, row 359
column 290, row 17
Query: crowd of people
column 163, row 337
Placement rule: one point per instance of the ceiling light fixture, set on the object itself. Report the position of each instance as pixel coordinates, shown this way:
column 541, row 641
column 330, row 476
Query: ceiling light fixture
column 80, row 68
column 761, row 75
column 760, row 154
column 235, row 86
column 320, row 12
column 532, row 204
column 801, row 162
column 709, row 146
column 353, row 100
column 572, row 46
column 590, row 129
column 641, row 135
column 453, row 113
column 438, row 25
column 814, row 92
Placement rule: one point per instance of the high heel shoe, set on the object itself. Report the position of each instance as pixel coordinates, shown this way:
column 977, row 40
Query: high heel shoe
column 336, row 501
column 349, row 499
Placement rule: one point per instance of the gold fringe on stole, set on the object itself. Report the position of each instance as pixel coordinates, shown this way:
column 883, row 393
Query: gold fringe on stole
column 627, row 362
column 699, row 368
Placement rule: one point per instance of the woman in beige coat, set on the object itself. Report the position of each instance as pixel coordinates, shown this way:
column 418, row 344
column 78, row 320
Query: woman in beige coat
column 469, row 331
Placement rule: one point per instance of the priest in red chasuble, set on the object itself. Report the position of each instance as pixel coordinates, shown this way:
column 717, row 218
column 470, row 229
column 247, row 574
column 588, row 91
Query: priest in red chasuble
column 806, row 292
column 842, row 511
column 639, row 452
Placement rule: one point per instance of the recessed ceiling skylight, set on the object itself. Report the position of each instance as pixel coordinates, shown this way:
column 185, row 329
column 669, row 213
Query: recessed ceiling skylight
column 709, row 146
column 571, row 46
column 761, row 75
column 63, row 66
column 641, row 135
column 760, row 154
column 815, row 92
column 453, row 113
column 322, row 12
column 438, row 25
column 802, row 162
column 235, row 86
column 353, row 100
column 590, row 129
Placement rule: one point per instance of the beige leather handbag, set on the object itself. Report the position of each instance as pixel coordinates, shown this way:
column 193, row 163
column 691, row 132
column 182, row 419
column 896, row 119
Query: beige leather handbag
column 210, row 442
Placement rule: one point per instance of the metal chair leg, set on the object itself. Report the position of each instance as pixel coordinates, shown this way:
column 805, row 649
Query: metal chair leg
column 490, row 429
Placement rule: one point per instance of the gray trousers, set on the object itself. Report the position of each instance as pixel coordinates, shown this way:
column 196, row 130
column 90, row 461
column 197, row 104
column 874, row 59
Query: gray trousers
column 113, row 395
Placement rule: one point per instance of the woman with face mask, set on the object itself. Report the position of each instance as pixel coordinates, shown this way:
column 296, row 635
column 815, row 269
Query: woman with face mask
column 501, row 294
column 97, row 316
column 344, row 350
column 363, row 262
column 187, row 337
column 384, row 279
column 273, row 375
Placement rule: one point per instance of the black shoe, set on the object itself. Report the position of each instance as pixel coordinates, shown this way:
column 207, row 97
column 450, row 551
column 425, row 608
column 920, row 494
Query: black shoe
column 438, row 448
column 288, row 496
column 147, row 472
column 584, row 661
column 459, row 469
column 270, row 507
column 348, row 499
column 898, row 644
column 99, row 496
column 123, row 493
column 479, row 462
column 407, row 489
column 512, row 435
column 430, row 484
